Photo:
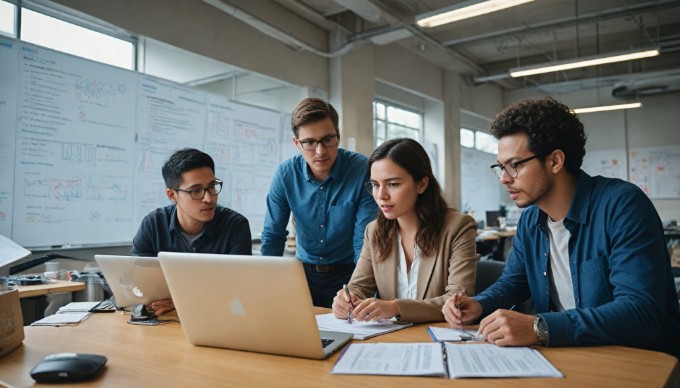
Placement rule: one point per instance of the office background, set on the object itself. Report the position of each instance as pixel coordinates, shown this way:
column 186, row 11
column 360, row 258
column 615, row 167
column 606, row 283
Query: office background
column 361, row 53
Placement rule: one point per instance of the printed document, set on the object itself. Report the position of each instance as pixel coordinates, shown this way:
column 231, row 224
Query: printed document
column 361, row 330
column 62, row 319
column 11, row 251
column 488, row 360
column 436, row 359
column 394, row 359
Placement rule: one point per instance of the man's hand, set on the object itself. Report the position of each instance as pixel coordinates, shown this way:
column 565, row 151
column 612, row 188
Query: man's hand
column 460, row 309
column 508, row 328
column 160, row 307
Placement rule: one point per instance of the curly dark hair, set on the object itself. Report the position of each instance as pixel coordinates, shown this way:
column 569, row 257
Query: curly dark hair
column 182, row 161
column 549, row 125
column 431, row 206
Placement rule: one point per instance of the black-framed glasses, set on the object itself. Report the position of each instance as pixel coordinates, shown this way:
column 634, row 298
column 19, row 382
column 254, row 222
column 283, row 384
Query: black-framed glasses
column 326, row 142
column 511, row 168
column 197, row 193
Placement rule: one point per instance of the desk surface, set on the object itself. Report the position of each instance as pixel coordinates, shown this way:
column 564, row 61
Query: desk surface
column 160, row 355
column 50, row 288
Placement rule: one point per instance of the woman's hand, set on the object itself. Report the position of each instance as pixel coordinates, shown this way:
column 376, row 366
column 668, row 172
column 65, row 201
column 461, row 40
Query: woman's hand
column 373, row 309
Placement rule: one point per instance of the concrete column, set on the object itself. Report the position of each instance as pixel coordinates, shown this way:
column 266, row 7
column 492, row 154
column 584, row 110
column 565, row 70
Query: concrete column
column 352, row 91
column 451, row 144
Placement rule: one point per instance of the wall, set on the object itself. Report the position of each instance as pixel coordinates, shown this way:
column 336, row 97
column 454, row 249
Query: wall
column 655, row 124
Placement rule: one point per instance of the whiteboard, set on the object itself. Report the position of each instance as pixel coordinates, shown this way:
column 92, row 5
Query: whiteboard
column 656, row 170
column 82, row 146
column 608, row 163
column 480, row 188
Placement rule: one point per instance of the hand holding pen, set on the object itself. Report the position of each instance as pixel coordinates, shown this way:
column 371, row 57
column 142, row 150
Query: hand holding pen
column 460, row 309
column 349, row 300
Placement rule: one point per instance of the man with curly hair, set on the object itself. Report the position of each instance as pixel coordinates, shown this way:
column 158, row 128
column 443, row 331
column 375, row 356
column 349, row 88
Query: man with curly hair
column 589, row 251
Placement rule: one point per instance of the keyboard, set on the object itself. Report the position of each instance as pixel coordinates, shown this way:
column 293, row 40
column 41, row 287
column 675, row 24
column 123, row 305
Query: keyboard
column 325, row 342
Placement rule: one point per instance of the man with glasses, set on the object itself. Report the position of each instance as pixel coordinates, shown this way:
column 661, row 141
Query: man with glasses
column 589, row 251
column 323, row 187
column 194, row 222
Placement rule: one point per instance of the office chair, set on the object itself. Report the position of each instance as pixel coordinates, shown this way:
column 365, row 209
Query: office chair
column 488, row 271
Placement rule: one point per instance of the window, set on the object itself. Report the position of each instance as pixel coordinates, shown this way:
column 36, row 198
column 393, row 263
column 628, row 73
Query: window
column 7, row 25
column 57, row 34
column 51, row 32
column 390, row 122
column 481, row 141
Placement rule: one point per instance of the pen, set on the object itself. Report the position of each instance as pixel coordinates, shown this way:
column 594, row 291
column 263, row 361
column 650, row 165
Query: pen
column 349, row 299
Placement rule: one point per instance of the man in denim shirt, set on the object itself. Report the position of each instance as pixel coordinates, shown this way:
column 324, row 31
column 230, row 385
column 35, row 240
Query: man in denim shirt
column 324, row 189
column 194, row 222
column 589, row 251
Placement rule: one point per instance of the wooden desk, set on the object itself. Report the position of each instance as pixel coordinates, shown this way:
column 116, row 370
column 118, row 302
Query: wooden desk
column 50, row 288
column 161, row 356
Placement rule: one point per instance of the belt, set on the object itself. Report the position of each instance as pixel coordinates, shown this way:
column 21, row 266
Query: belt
column 326, row 267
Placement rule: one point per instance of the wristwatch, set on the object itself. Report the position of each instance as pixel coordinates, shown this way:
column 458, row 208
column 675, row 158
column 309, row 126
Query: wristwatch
column 541, row 330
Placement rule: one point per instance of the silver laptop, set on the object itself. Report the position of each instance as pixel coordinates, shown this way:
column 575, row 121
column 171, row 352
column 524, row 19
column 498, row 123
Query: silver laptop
column 133, row 279
column 254, row 303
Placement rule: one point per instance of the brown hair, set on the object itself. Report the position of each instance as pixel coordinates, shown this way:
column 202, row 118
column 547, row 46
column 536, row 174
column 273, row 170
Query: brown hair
column 431, row 206
column 311, row 110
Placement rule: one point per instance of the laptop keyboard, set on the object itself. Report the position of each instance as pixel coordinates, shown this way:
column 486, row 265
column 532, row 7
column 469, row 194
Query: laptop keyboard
column 325, row 342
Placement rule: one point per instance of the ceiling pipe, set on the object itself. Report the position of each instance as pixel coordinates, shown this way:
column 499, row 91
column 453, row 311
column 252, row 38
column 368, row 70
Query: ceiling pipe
column 566, row 22
column 274, row 32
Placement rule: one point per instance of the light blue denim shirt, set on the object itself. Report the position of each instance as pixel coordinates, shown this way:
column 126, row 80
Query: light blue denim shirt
column 330, row 216
column 620, row 269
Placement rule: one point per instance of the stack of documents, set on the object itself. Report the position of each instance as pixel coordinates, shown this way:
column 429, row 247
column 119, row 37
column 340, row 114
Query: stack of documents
column 74, row 307
column 445, row 360
column 62, row 319
column 361, row 330
column 445, row 334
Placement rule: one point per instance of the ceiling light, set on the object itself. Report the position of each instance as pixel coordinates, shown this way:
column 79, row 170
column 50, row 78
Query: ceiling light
column 608, row 107
column 582, row 62
column 464, row 10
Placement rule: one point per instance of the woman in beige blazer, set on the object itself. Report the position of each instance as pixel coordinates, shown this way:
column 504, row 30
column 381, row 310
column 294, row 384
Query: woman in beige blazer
column 418, row 252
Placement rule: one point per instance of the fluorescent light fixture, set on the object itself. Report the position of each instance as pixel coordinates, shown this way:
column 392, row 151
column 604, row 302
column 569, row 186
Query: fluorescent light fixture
column 608, row 107
column 582, row 62
column 464, row 10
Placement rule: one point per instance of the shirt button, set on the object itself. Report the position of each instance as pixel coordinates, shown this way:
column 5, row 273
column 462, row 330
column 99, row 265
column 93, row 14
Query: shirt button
column 321, row 240
column 320, row 258
column 321, row 226
column 545, row 254
column 545, row 274
column 321, row 188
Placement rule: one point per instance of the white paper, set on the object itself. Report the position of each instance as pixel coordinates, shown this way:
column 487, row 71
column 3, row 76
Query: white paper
column 78, row 307
column 361, row 330
column 394, row 359
column 62, row 319
column 487, row 360
column 11, row 251
column 443, row 334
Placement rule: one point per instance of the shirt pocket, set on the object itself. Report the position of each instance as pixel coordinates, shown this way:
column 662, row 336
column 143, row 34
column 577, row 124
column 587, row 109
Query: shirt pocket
column 594, row 282
column 341, row 219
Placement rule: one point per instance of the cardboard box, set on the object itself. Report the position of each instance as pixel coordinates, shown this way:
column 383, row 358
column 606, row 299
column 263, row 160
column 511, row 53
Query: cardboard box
column 11, row 322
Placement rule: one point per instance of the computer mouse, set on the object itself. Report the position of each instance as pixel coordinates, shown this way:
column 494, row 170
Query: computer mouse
column 68, row 367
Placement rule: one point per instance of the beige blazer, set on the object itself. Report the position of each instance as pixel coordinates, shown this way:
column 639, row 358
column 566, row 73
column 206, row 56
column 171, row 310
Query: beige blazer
column 452, row 268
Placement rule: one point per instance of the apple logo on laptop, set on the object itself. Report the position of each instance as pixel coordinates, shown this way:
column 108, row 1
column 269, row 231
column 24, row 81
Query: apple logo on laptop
column 138, row 292
column 236, row 307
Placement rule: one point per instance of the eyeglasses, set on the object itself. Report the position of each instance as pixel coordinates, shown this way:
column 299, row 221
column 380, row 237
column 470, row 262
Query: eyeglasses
column 198, row 193
column 511, row 168
column 326, row 142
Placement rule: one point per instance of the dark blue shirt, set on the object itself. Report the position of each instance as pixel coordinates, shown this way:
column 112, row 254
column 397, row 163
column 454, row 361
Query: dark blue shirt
column 330, row 216
column 620, row 270
column 227, row 233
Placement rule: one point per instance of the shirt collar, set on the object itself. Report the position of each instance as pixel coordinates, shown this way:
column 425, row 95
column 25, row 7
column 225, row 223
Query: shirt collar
column 580, row 203
column 336, row 170
column 208, row 229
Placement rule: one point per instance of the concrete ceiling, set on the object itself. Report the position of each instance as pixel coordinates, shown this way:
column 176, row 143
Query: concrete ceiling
column 538, row 32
